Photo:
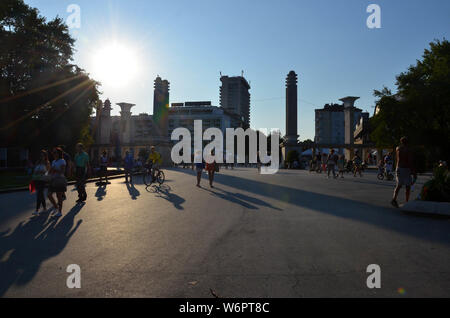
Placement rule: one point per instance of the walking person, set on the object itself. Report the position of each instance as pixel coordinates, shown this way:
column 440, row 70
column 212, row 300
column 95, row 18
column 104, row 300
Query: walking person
column 199, row 169
column 103, row 162
column 341, row 166
column 39, row 177
column 404, row 170
column 69, row 165
column 81, row 172
column 331, row 163
column 128, row 165
column 58, row 182
column 357, row 165
column 211, row 168
column 324, row 162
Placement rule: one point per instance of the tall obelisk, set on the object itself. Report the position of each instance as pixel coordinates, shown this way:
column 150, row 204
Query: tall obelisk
column 291, row 108
column 161, row 139
column 291, row 138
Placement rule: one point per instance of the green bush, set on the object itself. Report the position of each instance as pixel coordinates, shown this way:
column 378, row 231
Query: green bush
column 438, row 188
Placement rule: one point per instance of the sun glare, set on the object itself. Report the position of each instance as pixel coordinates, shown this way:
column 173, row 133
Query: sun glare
column 115, row 65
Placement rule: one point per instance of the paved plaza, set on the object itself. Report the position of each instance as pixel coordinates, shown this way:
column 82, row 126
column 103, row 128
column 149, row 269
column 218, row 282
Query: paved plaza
column 293, row 234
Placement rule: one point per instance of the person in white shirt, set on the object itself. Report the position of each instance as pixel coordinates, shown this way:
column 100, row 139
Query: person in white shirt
column 58, row 182
column 40, row 171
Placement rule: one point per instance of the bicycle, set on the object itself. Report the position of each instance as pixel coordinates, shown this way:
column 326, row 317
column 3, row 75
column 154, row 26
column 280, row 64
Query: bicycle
column 385, row 174
column 147, row 176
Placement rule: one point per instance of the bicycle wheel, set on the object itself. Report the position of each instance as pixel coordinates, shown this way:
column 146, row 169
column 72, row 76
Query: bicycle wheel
column 380, row 176
column 160, row 178
column 147, row 178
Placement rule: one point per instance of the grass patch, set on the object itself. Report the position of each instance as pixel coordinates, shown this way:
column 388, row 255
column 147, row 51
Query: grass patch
column 10, row 179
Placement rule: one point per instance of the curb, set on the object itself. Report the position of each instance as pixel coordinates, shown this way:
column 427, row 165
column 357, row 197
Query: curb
column 427, row 207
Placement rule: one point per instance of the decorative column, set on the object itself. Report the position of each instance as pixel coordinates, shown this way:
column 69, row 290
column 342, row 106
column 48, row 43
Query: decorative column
column 291, row 139
column 349, row 118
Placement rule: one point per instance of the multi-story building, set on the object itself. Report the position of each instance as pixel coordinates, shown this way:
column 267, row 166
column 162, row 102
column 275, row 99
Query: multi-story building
column 127, row 132
column 331, row 122
column 184, row 114
column 235, row 97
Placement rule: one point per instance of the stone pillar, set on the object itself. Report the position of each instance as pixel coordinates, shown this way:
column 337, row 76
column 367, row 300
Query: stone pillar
column 291, row 139
column 125, row 122
column 105, row 124
column 349, row 119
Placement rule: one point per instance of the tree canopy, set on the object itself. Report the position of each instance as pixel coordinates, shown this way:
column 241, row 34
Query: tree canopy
column 45, row 99
column 420, row 109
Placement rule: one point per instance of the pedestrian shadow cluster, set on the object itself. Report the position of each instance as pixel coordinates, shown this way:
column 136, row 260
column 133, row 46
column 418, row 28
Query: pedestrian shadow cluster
column 24, row 249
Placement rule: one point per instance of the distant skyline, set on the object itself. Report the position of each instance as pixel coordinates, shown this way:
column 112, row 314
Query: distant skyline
column 326, row 42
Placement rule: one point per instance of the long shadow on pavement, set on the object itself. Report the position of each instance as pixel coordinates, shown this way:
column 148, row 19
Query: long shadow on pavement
column 239, row 198
column 134, row 193
column 164, row 192
column 436, row 230
column 101, row 192
column 31, row 243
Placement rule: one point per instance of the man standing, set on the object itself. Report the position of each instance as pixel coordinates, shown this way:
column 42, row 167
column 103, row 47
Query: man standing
column 81, row 172
column 404, row 170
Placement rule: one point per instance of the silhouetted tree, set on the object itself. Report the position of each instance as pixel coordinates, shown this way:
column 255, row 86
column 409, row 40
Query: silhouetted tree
column 421, row 107
column 45, row 100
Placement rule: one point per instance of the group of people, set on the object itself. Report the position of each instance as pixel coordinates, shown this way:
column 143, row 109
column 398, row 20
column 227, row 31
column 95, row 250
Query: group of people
column 211, row 167
column 385, row 165
column 336, row 164
column 54, row 167
column 153, row 163
column 52, row 170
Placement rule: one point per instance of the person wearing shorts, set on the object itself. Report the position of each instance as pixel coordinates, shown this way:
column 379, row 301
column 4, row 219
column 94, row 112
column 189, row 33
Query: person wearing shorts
column 211, row 168
column 404, row 170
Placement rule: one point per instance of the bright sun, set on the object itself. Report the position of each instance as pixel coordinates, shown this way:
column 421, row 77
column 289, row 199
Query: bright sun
column 115, row 65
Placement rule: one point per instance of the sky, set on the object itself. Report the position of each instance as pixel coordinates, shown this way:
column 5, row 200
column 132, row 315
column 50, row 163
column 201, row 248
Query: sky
column 326, row 42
